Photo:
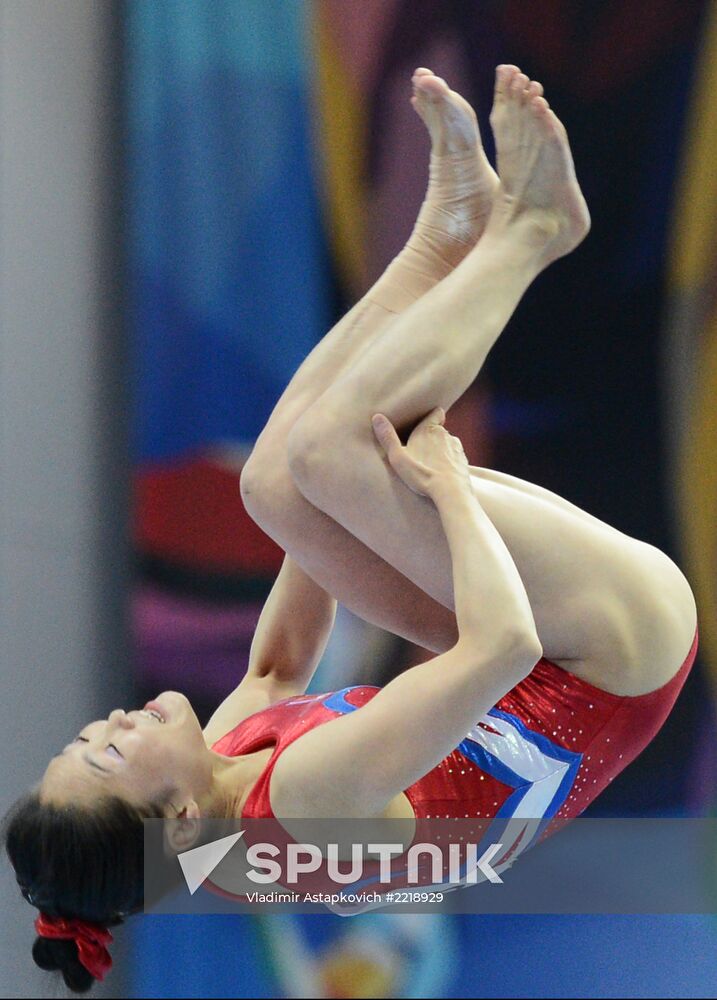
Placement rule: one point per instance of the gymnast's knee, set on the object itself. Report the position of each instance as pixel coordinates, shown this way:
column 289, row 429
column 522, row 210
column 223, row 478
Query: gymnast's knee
column 252, row 486
column 264, row 484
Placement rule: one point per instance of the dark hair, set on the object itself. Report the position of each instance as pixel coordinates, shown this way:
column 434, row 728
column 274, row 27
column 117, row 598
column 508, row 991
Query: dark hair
column 77, row 862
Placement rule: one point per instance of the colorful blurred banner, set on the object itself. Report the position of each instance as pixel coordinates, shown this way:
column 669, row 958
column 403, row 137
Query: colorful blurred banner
column 228, row 283
column 691, row 348
column 229, row 290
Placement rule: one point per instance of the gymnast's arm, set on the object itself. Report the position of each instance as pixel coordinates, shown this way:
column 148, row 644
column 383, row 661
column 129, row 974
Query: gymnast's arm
column 290, row 638
column 355, row 765
column 293, row 630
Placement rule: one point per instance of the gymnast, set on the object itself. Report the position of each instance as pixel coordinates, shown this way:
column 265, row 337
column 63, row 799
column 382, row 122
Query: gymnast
column 575, row 637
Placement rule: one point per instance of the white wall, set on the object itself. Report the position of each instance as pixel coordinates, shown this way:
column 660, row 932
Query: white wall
column 64, row 655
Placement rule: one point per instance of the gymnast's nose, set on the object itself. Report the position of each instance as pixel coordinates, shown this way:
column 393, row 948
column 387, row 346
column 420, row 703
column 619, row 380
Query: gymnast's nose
column 119, row 718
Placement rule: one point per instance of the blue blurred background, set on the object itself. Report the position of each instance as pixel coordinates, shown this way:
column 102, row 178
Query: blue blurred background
column 246, row 169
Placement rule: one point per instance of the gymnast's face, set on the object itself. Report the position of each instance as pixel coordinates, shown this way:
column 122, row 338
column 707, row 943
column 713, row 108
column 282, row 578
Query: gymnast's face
column 142, row 756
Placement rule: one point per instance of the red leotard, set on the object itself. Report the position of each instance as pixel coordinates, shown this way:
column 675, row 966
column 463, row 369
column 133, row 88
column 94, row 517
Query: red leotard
column 547, row 749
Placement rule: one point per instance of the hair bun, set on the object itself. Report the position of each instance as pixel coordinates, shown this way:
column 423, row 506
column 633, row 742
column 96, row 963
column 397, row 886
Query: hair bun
column 53, row 953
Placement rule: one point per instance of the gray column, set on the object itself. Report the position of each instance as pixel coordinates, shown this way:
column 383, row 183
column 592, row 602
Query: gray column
column 64, row 652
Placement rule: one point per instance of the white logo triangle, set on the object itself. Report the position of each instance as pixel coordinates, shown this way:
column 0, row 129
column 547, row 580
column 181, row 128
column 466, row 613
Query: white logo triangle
column 199, row 863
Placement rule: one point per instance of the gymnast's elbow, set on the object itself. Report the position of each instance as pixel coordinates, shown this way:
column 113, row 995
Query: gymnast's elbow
column 514, row 649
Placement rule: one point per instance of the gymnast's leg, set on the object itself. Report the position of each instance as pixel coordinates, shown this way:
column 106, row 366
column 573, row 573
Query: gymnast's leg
column 608, row 607
column 451, row 220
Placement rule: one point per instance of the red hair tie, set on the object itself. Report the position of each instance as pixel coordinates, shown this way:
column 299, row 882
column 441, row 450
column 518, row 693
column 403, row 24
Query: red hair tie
column 91, row 940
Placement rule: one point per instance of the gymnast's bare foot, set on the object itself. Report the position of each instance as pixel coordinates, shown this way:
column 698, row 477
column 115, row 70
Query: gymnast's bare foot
column 462, row 183
column 538, row 188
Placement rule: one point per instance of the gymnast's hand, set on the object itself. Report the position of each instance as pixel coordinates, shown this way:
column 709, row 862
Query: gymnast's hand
column 431, row 460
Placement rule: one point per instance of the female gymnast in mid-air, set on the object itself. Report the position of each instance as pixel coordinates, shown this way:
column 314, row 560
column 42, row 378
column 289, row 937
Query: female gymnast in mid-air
column 574, row 636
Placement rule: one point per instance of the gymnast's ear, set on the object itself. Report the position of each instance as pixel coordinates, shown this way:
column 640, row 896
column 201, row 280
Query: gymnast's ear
column 181, row 831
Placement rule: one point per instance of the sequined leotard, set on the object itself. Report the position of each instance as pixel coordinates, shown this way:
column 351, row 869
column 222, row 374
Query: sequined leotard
column 546, row 750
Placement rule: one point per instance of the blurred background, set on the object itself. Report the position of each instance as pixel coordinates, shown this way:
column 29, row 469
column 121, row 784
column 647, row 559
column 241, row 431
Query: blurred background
column 191, row 193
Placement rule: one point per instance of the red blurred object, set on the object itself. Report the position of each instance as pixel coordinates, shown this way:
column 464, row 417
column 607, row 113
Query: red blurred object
column 191, row 513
